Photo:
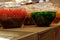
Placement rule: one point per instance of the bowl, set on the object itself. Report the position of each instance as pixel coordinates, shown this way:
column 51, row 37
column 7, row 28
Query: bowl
column 44, row 18
column 12, row 18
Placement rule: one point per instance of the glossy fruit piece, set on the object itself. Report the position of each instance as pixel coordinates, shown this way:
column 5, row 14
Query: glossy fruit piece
column 1, row 13
column 58, row 14
column 6, row 13
column 28, row 14
column 43, row 18
column 11, row 13
column 57, row 19
column 23, row 12
column 18, row 13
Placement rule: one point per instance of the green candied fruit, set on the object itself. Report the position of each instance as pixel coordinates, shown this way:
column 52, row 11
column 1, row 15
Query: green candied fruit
column 43, row 18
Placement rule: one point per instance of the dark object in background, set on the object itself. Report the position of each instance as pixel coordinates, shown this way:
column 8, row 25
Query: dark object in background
column 36, row 1
column 8, row 23
column 11, row 23
column 18, row 21
column 28, row 21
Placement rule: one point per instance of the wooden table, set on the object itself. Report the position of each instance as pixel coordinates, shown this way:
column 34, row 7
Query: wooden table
column 43, row 33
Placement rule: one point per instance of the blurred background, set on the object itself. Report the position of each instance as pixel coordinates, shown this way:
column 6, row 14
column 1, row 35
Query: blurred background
column 53, row 1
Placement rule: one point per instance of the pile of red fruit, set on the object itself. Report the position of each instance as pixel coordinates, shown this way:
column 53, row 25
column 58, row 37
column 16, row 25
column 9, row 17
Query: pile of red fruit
column 13, row 13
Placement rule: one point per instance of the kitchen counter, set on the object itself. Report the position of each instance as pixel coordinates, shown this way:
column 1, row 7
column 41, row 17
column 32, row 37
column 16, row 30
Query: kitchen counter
column 14, row 35
column 39, row 33
column 33, row 28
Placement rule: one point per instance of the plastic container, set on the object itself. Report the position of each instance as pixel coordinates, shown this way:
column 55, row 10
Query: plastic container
column 12, row 15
